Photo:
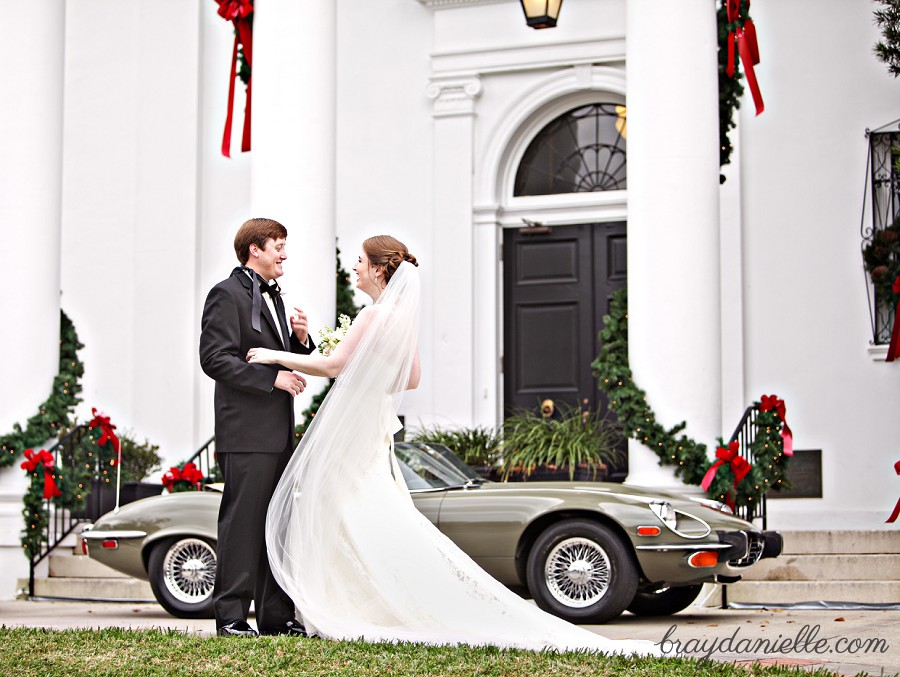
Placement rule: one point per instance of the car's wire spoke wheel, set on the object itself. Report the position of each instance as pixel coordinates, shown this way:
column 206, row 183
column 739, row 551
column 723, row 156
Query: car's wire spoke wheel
column 189, row 570
column 577, row 571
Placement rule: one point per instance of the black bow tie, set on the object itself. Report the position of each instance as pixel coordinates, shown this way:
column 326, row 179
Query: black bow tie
column 272, row 290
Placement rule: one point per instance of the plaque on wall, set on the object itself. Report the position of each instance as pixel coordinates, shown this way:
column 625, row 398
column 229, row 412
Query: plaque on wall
column 804, row 471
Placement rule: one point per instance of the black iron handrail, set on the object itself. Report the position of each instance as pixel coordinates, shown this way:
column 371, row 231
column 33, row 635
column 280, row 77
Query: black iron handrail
column 60, row 521
column 745, row 435
column 205, row 460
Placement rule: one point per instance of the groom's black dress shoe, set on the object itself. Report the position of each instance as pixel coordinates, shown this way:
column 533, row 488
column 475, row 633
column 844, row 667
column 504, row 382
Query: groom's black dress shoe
column 293, row 628
column 237, row 629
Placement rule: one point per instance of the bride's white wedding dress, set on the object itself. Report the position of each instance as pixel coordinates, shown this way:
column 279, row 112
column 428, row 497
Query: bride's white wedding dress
column 345, row 540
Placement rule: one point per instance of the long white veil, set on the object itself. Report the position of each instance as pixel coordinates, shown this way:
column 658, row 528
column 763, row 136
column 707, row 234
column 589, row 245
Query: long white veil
column 345, row 540
column 347, row 443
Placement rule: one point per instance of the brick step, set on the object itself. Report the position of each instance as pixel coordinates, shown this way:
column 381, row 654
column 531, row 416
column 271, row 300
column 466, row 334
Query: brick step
column 65, row 563
column 793, row 592
column 826, row 568
column 841, row 542
column 112, row 589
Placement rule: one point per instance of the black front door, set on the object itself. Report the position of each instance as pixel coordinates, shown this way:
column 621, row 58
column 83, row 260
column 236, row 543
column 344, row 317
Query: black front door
column 557, row 287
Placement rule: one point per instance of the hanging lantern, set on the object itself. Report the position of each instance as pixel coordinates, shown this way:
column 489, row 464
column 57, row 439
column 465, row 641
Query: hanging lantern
column 541, row 13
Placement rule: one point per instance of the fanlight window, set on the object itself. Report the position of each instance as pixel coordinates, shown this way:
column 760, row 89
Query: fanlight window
column 581, row 151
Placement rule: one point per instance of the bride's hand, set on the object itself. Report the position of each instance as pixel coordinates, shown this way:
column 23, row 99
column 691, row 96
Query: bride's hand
column 261, row 356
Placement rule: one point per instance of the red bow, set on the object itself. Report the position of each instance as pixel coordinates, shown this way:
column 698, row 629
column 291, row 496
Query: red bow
column 739, row 467
column 770, row 402
column 101, row 421
column 235, row 9
column 748, row 48
column 190, row 473
column 44, row 458
column 894, row 346
column 896, row 513
column 238, row 12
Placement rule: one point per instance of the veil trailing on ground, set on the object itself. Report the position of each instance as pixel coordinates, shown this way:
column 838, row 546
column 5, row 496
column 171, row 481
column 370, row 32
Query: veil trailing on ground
column 345, row 540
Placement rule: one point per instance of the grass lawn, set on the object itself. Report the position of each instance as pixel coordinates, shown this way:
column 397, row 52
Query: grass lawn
column 114, row 651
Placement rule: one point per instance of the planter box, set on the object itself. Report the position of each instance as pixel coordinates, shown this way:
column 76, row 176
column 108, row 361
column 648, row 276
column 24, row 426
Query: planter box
column 102, row 498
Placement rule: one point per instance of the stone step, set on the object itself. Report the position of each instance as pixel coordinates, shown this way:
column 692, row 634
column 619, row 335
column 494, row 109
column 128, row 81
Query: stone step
column 793, row 592
column 826, row 568
column 841, row 542
column 67, row 564
column 101, row 589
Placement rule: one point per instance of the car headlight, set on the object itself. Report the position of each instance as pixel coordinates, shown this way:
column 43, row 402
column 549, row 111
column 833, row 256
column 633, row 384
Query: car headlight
column 715, row 505
column 665, row 512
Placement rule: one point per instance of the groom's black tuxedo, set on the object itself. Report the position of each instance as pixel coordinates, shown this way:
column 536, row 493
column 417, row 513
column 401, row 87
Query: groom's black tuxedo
column 254, row 425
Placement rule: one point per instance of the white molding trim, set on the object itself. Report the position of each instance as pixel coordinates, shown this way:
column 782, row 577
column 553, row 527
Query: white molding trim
column 877, row 353
column 531, row 57
column 444, row 4
column 453, row 97
column 531, row 112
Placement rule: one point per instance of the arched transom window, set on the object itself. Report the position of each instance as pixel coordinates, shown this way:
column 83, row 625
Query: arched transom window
column 581, row 151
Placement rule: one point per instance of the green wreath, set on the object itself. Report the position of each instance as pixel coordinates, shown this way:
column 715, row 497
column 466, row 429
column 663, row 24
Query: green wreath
column 689, row 458
column 882, row 260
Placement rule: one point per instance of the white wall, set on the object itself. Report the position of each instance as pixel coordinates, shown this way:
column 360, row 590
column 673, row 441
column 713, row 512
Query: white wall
column 384, row 149
column 129, row 212
column 806, row 315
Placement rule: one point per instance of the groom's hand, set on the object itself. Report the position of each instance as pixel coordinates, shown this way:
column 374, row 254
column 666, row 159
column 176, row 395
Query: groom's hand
column 300, row 325
column 290, row 382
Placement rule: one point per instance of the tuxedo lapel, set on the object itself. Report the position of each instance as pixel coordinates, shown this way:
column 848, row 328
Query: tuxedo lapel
column 264, row 310
column 282, row 320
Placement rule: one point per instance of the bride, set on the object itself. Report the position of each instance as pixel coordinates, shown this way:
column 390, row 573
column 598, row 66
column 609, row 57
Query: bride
column 344, row 538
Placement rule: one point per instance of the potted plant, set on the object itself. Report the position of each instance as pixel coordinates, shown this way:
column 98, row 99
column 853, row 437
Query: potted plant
column 139, row 461
column 478, row 447
column 577, row 445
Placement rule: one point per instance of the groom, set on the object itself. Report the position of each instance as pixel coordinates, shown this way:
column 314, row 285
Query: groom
column 254, row 417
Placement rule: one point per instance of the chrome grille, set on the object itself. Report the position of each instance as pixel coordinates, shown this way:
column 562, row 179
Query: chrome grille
column 754, row 551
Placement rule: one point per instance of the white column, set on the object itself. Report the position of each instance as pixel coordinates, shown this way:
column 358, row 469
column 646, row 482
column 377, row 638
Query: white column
column 673, row 221
column 30, row 197
column 293, row 155
column 454, row 369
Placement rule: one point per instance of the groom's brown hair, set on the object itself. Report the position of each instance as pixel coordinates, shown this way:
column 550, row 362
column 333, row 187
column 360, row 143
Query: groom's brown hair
column 256, row 231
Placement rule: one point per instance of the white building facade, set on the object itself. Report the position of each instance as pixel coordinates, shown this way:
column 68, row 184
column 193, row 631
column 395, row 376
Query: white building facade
column 413, row 117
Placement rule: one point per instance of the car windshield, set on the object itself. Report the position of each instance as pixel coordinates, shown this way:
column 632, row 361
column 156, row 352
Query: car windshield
column 432, row 466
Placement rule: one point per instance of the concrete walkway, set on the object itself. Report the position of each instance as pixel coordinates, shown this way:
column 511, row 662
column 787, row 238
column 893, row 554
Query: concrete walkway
column 843, row 641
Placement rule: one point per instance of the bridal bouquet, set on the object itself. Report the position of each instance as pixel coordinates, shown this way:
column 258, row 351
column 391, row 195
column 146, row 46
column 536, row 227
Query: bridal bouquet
column 329, row 338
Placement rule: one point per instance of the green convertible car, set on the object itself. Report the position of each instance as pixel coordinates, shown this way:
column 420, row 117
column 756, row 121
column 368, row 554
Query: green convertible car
column 585, row 551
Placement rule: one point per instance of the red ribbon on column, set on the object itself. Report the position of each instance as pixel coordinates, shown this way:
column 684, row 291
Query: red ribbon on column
column 896, row 513
column 238, row 12
column 748, row 48
column 770, row 402
column 44, row 458
column 739, row 467
column 894, row 346
column 101, row 421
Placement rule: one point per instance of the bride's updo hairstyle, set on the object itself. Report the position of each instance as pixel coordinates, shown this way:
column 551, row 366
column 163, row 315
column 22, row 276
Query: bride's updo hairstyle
column 387, row 251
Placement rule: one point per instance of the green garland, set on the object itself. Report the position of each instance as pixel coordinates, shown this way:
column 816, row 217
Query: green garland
column 54, row 415
column 689, row 458
column 730, row 88
column 81, row 464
